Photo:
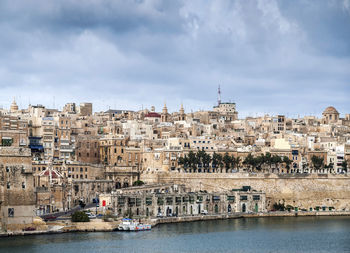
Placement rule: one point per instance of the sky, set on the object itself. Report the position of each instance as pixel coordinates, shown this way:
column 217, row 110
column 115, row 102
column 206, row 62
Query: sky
column 268, row 56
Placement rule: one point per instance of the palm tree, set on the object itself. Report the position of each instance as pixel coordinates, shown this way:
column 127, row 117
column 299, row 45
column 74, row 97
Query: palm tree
column 238, row 162
column 268, row 160
column 192, row 160
column 317, row 162
column 199, row 158
column 220, row 162
column 344, row 166
column 214, row 160
column 227, row 161
column 206, row 159
column 260, row 161
column 287, row 161
column 276, row 160
column 250, row 161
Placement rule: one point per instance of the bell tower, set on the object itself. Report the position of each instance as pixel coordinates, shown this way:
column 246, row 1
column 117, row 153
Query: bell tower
column 164, row 116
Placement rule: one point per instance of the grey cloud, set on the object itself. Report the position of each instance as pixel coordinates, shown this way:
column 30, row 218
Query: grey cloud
column 268, row 56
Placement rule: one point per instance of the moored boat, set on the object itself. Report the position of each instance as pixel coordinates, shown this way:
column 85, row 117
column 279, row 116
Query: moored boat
column 133, row 225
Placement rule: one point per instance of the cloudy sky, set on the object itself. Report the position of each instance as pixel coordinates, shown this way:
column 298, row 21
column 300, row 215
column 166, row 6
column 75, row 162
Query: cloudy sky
column 289, row 57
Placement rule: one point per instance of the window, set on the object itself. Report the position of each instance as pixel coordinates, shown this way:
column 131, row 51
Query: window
column 6, row 141
column 231, row 198
column 244, row 197
column 7, row 169
column 11, row 212
column 85, row 169
column 256, row 197
column 8, row 185
column 23, row 185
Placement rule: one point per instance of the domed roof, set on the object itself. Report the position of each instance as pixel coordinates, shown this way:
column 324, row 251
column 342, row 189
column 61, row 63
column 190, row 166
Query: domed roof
column 14, row 106
column 330, row 110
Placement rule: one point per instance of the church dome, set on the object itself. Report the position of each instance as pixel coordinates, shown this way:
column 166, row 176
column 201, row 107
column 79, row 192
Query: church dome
column 330, row 110
column 14, row 106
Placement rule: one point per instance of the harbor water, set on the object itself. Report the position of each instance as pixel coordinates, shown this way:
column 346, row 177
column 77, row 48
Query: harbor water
column 274, row 234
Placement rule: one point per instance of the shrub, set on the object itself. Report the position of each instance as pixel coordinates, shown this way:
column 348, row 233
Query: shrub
column 138, row 183
column 108, row 216
column 279, row 207
column 79, row 216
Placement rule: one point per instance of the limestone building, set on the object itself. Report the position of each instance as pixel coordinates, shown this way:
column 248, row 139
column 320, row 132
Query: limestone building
column 17, row 202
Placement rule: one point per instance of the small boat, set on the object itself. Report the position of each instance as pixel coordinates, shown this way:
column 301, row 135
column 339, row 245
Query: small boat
column 133, row 225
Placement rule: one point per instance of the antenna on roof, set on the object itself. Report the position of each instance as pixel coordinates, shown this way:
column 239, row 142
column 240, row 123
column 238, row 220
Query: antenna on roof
column 219, row 95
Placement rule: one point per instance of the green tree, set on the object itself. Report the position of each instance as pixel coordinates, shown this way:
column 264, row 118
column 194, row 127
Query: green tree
column 138, row 183
column 344, row 166
column 214, row 159
column 276, row 160
column 199, row 158
column 249, row 161
column 217, row 160
column 80, row 216
column 227, row 161
column 317, row 162
column 260, row 161
column 236, row 162
column 287, row 161
column 268, row 159
column 206, row 159
column 279, row 207
column 192, row 160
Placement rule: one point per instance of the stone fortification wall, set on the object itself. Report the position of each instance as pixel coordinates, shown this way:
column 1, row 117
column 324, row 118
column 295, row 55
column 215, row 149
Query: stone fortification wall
column 302, row 191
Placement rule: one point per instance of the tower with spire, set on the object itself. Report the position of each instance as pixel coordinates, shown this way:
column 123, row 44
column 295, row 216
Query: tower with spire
column 182, row 113
column 165, row 114
column 219, row 96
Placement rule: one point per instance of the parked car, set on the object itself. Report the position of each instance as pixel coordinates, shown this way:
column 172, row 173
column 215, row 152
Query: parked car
column 91, row 215
column 29, row 229
column 50, row 218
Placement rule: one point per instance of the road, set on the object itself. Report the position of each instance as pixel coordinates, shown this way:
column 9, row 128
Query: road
column 69, row 212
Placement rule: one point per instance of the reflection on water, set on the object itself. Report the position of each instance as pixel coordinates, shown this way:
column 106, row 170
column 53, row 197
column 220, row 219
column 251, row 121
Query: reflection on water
column 288, row 234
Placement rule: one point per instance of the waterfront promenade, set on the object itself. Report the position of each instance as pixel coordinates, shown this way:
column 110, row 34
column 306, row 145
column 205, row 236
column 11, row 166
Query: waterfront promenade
column 99, row 225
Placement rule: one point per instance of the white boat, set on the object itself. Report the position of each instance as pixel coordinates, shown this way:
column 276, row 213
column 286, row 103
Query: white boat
column 132, row 225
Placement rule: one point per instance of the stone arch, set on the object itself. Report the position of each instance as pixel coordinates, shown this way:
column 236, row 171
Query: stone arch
column 118, row 183
column 244, row 208
column 216, row 208
column 126, row 182
column 229, row 208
